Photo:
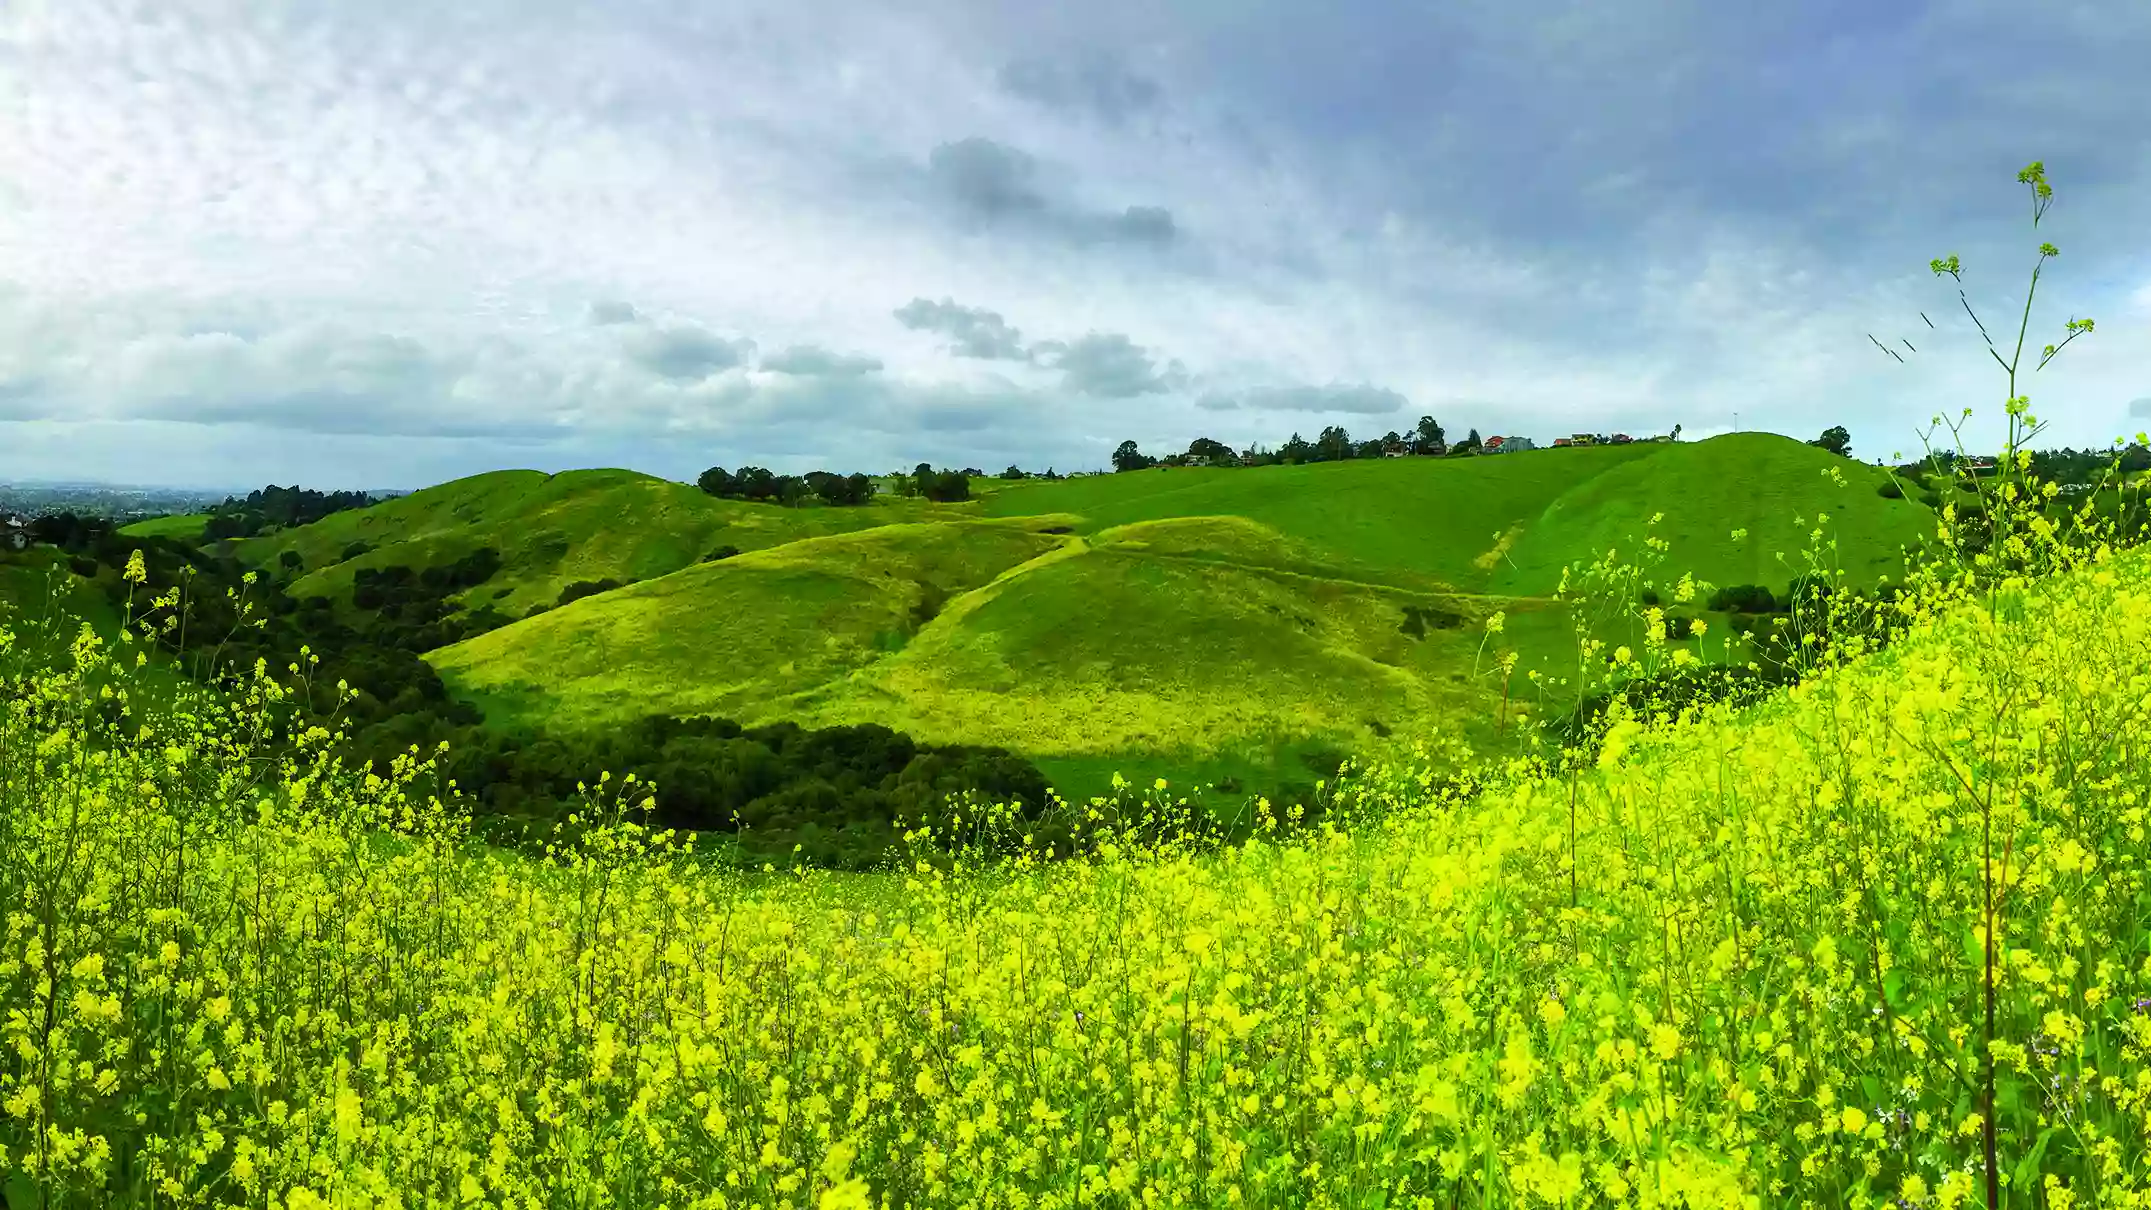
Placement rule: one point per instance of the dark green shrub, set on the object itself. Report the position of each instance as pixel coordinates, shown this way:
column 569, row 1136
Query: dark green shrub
column 1742, row 598
column 1890, row 491
column 722, row 552
column 587, row 588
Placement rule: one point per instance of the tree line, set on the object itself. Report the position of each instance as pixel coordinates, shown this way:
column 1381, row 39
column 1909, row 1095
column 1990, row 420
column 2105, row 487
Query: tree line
column 763, row 485
column 276, row 507
column 1332, row 444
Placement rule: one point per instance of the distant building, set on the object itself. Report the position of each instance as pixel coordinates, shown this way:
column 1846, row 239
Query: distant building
column 1492, row 445
column 1622, row 439
column 1582, row 439
column 1395, row 453
column 1665, row 437
column 1511, row 445
column 1563, row 442
column 1438, row 449
column 14, row 532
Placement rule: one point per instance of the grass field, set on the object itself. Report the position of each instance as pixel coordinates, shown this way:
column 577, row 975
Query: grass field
column 186, row 527
column 1243, row 624
column 743, row 637
column 1508, row 523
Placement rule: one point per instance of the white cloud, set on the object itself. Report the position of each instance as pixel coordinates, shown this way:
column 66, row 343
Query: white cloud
column 574, row 226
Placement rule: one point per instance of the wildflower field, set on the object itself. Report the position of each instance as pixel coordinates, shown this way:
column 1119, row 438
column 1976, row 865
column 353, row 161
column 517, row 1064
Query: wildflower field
column 1744, row 960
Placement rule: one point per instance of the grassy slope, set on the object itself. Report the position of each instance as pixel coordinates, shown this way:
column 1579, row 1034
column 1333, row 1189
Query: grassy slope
column 1448, row 518
column 1112, row 650
column 739, row 637
column 1205, row 622
column 553, row 530
column 1430, row 516
column 1769, row 485
column 186, row 527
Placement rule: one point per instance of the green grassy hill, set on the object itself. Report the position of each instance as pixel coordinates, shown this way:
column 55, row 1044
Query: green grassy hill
column 1772, row 487
column 741, row 637
column 1243, row 623
column 1508, row 523
column 554, row 530
column 186, row 527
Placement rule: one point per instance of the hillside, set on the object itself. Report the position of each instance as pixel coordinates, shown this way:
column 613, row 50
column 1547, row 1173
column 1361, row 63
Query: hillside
column 1230, row 625
column 1508, row 523
column 739, row 637
column 186, row 527
column 554, row 530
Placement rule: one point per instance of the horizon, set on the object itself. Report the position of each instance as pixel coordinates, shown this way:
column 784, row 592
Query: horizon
column 400, row 245
column 1104, row 467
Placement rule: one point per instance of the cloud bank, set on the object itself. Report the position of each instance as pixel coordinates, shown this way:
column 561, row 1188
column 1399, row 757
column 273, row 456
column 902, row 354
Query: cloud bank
column 381, row 245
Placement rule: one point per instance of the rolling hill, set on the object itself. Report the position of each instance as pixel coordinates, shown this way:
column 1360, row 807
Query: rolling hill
column 555, row 530
column 1214, row 622
column 741, row 637
column 1509, row 523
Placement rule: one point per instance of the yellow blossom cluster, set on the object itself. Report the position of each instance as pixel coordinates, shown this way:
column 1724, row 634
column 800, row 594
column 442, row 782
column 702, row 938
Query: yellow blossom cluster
column 1821, row 952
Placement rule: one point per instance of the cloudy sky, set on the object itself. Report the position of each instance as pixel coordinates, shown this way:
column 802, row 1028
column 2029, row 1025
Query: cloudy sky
column 384, row 244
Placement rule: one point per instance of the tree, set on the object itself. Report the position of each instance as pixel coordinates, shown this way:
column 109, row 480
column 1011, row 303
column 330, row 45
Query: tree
column 718, row 481
column 1836, row 440
column 1297, row 450
column 1013, row 472
column 1215, row 451
column 1428, row 434
column 1335, row 444
column 1128, row 458
column 1472, row 442
column 944, row 486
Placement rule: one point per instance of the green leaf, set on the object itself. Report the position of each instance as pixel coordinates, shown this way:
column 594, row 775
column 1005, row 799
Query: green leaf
column 2026, row 1173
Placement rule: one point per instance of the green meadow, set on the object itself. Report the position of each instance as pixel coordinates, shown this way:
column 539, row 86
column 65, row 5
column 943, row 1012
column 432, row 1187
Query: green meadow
column 1214, row 625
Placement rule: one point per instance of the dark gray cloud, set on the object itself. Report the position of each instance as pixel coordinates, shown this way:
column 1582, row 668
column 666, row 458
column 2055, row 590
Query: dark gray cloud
column 686, row 352
column 1093, row 83
column 993, row 185
column 977, row 332
column 987, row 179
column 813, row 361
column 1361, row 400
column 2140, row 409
column 1109, row 365
column 613, row 312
